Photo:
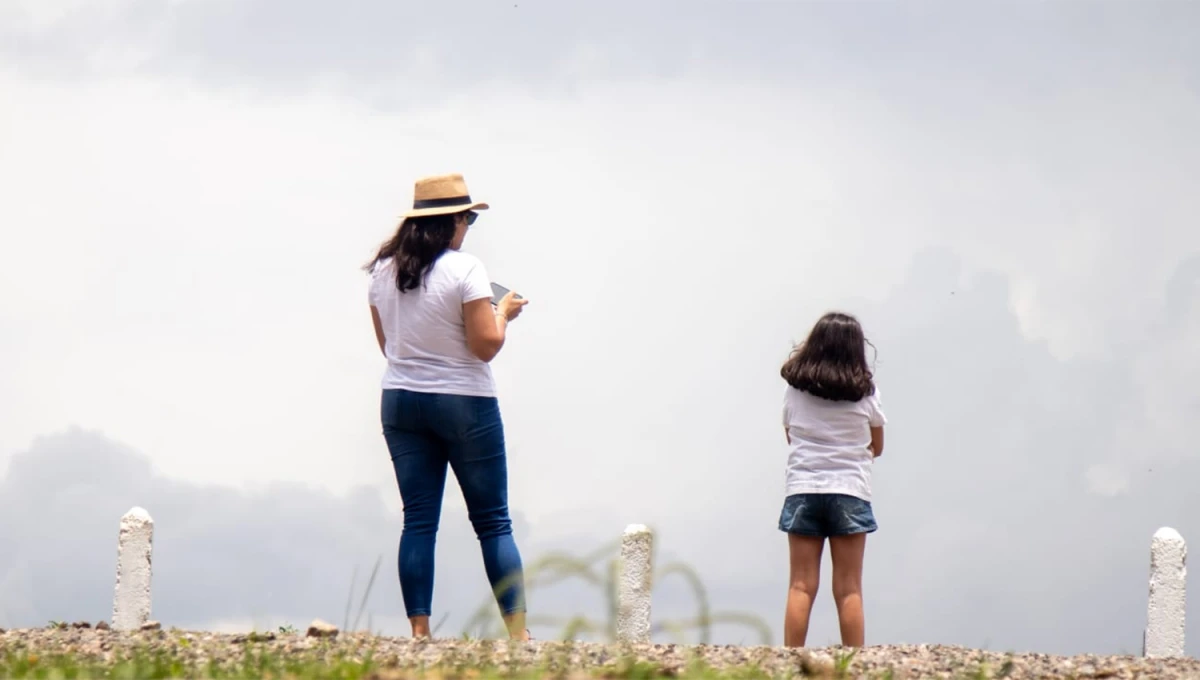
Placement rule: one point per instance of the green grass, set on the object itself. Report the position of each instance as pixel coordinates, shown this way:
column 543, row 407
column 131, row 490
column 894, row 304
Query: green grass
column 842, row 662
column 253, row 661
column 600, row 569
column 250, row 663
column 177, row 654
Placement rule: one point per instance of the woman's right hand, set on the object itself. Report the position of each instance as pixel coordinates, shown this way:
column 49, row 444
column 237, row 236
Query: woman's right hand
column 510, row 305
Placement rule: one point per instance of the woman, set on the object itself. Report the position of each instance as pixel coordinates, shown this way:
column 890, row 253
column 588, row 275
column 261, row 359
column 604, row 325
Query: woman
column 834, row 424
column 437, row 327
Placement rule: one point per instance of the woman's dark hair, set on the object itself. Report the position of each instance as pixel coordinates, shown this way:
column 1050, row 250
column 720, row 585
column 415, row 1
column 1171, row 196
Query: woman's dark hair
column 832, row 362
column 418, row 243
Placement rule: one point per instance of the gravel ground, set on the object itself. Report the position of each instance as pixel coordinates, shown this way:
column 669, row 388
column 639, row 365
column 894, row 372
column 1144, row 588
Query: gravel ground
column 395, row 655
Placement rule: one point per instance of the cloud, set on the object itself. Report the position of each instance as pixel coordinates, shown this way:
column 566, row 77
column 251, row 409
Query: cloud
column 227, row 559
column 192, row 186
column 281, row 553
column 549, row 49
column 991, row 533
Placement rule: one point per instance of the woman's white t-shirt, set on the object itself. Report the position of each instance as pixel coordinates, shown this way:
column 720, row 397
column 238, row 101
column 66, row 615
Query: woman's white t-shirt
column 831, row 443
column 424, row 332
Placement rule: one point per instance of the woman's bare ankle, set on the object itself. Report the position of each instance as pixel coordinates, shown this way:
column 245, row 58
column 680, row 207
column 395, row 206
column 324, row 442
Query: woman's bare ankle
column 420, row 626
column 515, row 623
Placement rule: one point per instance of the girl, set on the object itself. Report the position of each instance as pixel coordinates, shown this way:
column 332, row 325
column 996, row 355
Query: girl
column 834, row 425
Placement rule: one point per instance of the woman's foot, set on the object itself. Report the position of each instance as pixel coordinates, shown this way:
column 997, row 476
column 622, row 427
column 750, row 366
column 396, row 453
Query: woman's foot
column 420, row 626
column 515, row 623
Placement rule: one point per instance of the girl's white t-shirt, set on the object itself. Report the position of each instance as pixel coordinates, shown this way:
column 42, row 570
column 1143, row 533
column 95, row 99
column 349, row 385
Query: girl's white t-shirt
column 425, row 338
column 831, row 443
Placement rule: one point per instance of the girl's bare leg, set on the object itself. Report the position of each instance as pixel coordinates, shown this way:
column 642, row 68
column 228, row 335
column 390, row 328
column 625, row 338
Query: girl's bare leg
column 804, row 555
column 847, row 553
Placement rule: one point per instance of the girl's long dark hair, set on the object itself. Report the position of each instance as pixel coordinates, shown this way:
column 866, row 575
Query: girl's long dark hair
column 418, row 243
column 832, row 362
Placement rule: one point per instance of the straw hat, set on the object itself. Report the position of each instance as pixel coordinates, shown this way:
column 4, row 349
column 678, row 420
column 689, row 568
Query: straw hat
column 442, row 195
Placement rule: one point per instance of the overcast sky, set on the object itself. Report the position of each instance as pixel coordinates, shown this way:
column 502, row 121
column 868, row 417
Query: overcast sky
column 1003, row 192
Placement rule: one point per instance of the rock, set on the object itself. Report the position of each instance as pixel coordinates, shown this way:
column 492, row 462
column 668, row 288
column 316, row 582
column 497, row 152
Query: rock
column 151, row 625
column 268, row 636
column 636, row 576
column 103, row 625
column 1167, row 607
column 817, row 665
column 131, row 599
column 322, row 629
column 81, row 624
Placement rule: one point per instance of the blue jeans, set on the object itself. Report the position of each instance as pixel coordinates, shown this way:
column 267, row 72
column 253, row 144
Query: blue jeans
column 425, row 433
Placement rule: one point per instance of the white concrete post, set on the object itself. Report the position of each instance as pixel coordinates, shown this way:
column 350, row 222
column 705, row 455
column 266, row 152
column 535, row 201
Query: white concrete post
column 633, row 593
column 1168, row 577
column 131, row 603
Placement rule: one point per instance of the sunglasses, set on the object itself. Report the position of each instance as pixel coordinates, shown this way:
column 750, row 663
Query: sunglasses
column 471, row 217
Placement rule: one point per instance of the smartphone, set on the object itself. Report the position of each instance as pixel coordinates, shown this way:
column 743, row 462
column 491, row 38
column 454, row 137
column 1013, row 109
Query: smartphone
column 498, row 292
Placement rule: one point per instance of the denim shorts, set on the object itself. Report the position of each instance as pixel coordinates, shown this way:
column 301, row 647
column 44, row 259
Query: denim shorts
column 826, row 514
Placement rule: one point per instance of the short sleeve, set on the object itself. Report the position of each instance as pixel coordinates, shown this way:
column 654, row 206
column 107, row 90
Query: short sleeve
column 373, row 289
column 476, row 284
column 875, row 415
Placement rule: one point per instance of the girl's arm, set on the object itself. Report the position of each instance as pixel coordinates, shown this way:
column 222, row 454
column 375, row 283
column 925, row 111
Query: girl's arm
column 877, row 441
column 378, row 329
column 787, row 419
